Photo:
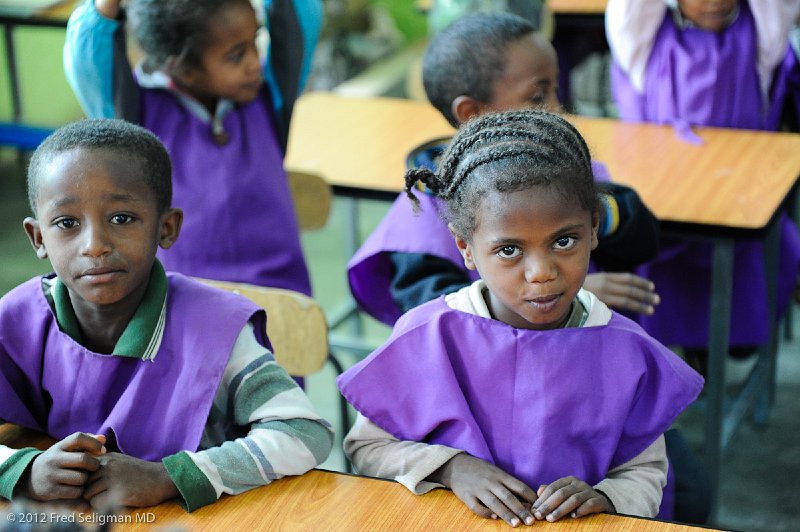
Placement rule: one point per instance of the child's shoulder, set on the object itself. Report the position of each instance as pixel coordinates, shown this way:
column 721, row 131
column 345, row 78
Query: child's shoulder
column 29, row 293
column 200, row 292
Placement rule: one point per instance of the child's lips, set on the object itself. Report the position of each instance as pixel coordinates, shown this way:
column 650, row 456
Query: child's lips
column 100, row 275
column 544, row 303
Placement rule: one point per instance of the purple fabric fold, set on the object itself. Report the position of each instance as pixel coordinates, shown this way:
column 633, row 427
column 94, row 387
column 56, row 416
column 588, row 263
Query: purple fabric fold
column 49, row 382
column 702, row 78
column 541, row 405
column 239, row 220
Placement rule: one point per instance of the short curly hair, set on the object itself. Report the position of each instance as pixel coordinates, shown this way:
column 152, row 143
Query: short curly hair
column 467, row 57
column 174, row 28
column 128, row 139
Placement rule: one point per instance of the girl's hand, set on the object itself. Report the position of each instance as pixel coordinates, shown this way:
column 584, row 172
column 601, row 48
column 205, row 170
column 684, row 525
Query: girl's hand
column 109, row 8
column 486, row 489
column 623, row 291
column 569, row 496
column 128, row 481
column 61, row 471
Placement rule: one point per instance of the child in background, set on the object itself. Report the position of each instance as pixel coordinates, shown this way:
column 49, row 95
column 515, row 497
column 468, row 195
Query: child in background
column 410, row 258
column 708, row 63
column 521, row 391
column 155, row 386
column 201, row 90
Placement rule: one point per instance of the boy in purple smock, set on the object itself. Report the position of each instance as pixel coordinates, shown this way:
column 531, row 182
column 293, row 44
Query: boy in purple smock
column 707, row 63
column 221, row 113
column 410, row 258
column 522, row 392
column 154, row 385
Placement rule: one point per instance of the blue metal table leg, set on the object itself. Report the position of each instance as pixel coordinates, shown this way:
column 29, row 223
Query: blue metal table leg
column 719, row 328
column 768, row 353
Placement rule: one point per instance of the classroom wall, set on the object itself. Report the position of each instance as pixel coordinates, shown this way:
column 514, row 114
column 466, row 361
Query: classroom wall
column 47, row 99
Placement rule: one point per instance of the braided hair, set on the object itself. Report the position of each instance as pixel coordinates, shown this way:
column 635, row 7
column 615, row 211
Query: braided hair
column 507, row 152
column 174, row 28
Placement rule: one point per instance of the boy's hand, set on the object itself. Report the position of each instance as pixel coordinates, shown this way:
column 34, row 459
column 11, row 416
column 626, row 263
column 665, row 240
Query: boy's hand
column 61, row 471
column 486, row 489
column 623, row 291
column 569, row 496
column 128, row 481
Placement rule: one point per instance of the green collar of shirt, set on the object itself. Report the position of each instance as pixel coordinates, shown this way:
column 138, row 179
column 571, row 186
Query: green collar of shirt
column 142, row 337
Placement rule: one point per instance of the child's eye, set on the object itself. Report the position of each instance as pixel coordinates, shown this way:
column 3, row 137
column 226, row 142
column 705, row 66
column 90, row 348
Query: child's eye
column 121, row 219
column 538, row 99
column 66, row 223
column 564, row 242
column 508, row 252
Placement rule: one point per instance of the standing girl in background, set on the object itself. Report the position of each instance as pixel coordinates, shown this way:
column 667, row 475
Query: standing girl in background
column 521, row 388
column 201, row 89
column 706, row 63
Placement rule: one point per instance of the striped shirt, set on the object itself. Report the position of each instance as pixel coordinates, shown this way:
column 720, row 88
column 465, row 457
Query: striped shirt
column 261, row 427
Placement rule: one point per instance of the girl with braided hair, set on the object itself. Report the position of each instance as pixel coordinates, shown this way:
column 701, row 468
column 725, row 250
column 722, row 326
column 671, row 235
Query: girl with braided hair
column 523, row 393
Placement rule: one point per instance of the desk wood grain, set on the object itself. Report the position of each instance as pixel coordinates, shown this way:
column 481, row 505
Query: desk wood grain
column 577, row 7
column 321, row 500
column 736, row 179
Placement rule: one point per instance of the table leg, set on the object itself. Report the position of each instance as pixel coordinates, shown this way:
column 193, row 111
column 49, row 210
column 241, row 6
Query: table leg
column 719, row 329
column 11, row 57
column 768, row 353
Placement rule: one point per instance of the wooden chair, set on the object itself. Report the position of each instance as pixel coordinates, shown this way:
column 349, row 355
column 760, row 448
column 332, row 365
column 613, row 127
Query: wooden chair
column 296, row 325
column 312, row 197
column 298, row 331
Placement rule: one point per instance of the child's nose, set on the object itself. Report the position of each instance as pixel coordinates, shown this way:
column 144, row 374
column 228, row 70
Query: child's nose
column 539, row 269
column 96, row 242
column 253, row 60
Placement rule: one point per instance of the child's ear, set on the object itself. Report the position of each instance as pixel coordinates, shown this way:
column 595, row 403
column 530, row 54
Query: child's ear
column 595, row 227
column 34, row 233
column 170, row 228
column 465, row 107
column 177, row 70
column 464, row 248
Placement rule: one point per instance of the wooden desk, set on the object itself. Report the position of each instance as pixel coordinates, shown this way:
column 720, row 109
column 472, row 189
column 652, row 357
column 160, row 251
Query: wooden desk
column 577, row 7
column 730, row 187
column 735, row 180
column 556, row 6
column 323, row 500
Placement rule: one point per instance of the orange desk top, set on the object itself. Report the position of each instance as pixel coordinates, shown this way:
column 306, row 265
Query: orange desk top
column 558, row 7
column 736, row 179
column 577, row 7
column 322, row 500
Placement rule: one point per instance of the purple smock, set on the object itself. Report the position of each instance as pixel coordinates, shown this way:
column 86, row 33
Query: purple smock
column 239, row 221
column 152, row 409
column 541, row 405
column 706, row 78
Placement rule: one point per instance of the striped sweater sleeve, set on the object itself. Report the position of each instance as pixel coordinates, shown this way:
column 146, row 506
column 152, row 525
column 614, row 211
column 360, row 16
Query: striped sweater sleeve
column 262, row 427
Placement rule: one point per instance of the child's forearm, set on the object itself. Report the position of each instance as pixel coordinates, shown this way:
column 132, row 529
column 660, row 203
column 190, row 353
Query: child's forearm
column 108, row 8
column 89, row 60
column 636, row 487
column 374, row 452
column 631, row 27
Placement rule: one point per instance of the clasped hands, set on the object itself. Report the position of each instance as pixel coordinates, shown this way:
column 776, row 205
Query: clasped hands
column 79, row 466
column 491, row 492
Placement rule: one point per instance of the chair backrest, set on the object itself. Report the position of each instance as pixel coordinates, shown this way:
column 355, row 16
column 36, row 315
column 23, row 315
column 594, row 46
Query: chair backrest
column 312, row 197
column 296, row 325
